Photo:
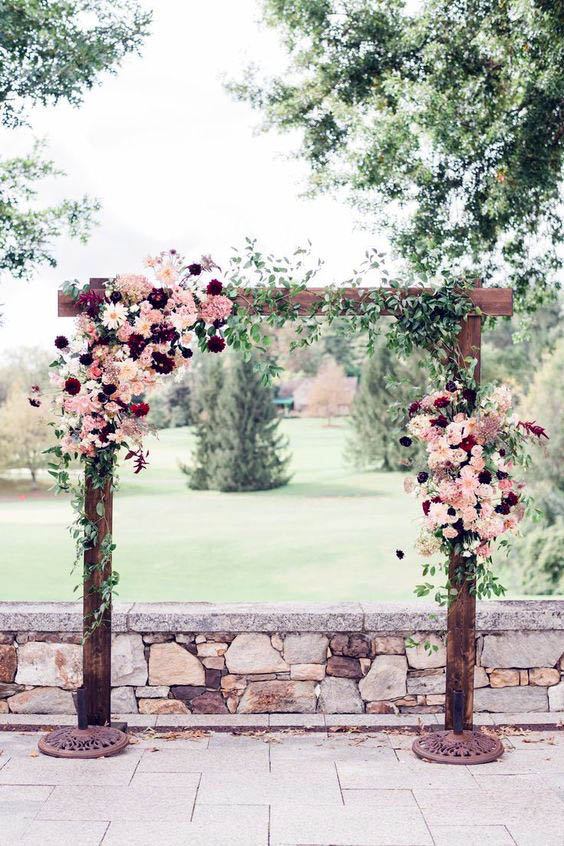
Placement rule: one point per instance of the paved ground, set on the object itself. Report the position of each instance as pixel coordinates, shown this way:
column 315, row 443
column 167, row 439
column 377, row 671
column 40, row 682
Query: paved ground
column 289, row 788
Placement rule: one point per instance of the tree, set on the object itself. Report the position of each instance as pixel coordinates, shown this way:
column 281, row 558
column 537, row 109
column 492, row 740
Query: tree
column 239, row 445
column 329, row 391
column 24, row 434
column 52, row 51
column 26, row 366
column 445, row 124
column 374, row 440
column 208, row 397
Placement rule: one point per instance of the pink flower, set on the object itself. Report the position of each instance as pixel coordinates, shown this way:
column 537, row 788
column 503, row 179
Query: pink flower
column 483, row 550
column 450, row 532
column 215, row 308
column 505, row 485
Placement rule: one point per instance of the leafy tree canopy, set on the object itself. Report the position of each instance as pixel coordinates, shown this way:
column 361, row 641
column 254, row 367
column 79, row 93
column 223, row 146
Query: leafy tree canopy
column 51, row 51
column 445, row 125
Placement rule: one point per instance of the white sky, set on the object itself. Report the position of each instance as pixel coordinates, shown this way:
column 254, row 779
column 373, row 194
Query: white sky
column 176, row 163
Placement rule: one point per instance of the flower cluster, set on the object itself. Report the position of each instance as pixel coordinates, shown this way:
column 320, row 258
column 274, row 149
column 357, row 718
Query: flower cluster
column 467, row 493
column 127, row 337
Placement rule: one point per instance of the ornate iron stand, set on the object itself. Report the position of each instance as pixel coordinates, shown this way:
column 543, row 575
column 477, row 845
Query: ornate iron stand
column 451, row 747
column 83, row 741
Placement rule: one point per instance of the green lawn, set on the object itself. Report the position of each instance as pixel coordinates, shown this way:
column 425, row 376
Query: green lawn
column 330, row 534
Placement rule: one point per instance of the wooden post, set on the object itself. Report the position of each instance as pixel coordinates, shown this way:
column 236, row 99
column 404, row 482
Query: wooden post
column 96, row 650
column 461, row 616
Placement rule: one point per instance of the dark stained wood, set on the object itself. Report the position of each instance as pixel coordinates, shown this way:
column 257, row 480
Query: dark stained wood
column 492, row 301
column 461, row 616
column 96, row 650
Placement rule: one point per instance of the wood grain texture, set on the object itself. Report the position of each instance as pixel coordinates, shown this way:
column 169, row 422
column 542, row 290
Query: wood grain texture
column 96, row 650
column 461, row 616
column 491, row 301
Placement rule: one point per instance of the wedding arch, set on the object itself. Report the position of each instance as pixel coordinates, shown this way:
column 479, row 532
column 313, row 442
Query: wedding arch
column 131, row 332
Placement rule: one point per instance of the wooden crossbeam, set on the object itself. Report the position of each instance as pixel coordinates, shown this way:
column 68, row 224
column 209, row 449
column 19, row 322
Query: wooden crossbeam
column 494, row 302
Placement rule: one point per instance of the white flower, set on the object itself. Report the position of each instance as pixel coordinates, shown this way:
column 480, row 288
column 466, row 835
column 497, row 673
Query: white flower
column 114, row 315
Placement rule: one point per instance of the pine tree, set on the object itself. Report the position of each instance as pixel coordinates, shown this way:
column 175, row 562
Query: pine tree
column 206, row 406
column 249, row 453
column 374, row 439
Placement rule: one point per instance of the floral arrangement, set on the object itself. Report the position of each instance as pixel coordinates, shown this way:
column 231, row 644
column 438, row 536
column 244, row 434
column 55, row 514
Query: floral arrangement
column 468, row 495
column 127, row 338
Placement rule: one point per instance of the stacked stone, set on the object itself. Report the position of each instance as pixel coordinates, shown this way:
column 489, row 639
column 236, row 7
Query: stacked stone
column 260, row 672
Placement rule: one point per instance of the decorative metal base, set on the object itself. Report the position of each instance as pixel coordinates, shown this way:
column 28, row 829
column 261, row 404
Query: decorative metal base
column 91, row 742
column 468, row 747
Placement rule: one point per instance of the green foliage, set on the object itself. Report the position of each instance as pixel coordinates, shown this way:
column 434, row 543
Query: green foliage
column 239, row 445
column 443, row 124
column 541, row 559
column 52, row 51
column 27, row 231
column 385, row 380
column 172, row 407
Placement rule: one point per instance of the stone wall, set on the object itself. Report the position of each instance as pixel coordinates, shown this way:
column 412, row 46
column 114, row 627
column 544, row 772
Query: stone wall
column 346, row 658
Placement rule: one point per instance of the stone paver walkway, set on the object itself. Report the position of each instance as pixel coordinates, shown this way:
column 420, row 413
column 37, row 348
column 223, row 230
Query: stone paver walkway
column 290, row 788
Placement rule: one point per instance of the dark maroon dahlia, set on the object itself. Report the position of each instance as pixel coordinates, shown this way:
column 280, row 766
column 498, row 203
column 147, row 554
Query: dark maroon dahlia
column 441, row 402
column 136, row 344
column 216, row 344
column 61, row 342
column 450, row 387
column 215, row 287
column 484, row 477
column 163, row 333
column 109, row 389
column 512, row 498
column 90, row 302
column 422, row 477
column 469, row 395
column 467, row 444
column 158, row 297
column 405, row 441
column 195, row 269
column 86, row 359
column 162, row 363
column 414, row 408
column 440, row 421
column 72, row 386
column 400, row 554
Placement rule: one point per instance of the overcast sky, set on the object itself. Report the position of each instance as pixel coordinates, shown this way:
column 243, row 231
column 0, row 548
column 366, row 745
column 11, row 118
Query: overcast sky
column 176, row 163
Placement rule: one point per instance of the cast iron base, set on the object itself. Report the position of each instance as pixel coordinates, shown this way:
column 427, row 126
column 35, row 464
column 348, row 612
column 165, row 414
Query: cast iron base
column 468, row 747
column 92, row 742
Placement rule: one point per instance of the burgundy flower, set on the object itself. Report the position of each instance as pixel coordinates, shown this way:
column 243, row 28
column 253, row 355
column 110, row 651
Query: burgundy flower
column 34, row 402
column 450, row 387
column 468, row 443
column 512, row 498
column 61, row 342
column 501, row 474
column 422, row 477
column 195, row 269
column 90, row 302
column 503, row 508
column 86, row 359
column 136, row 344
column 162, row 363
column 440, row 421
column 469, row 395
column 484, row 477
column 405, row 441
column 414, row 408
column 163, row 333
column 425, row 505
column 216, row 344
column 72, row 386
column 441, row 402
column 158, row 297
column 109, row 389
column 214, row 288
column 115, row 297
column 400, row 553
column 187, row 353
column 139, row 409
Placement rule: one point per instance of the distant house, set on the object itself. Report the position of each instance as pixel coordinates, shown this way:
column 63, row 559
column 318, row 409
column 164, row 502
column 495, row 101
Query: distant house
column 294, row 396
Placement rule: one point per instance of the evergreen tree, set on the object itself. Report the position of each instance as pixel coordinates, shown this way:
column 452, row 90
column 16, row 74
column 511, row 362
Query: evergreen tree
column 239, row 445
column 207, row 404
column 374, row 439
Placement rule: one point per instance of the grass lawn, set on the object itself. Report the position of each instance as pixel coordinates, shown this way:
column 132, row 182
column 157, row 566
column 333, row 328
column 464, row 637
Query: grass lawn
column 330, row 534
